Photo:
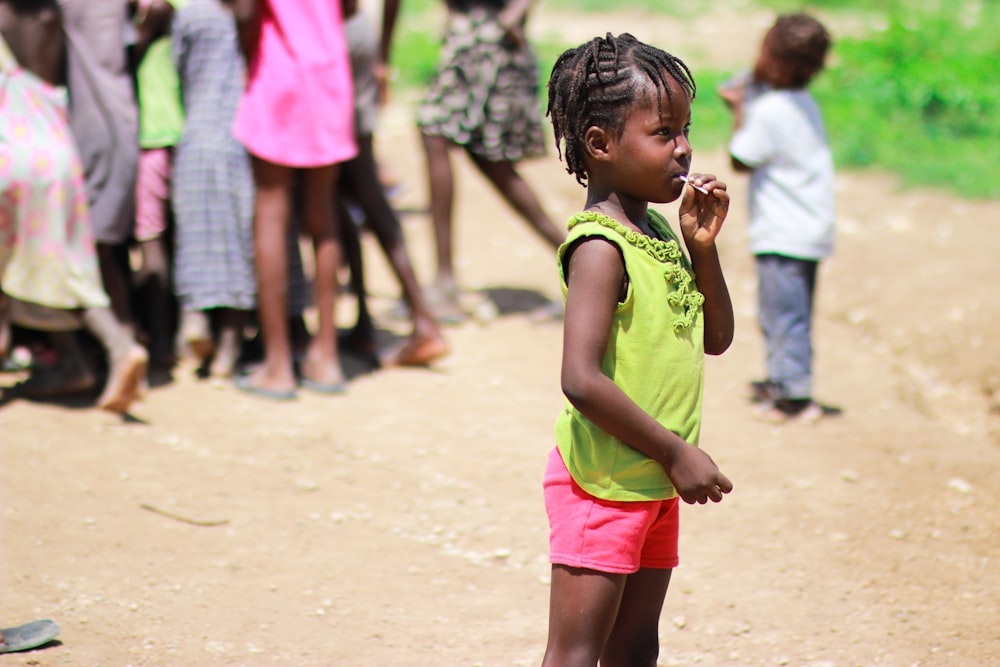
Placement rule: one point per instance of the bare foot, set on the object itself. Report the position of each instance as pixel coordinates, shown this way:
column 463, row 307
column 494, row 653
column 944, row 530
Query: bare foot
column 220, row 369
column 265, row 382
column 322, row 376
column 196, row 335
column 416, row 351
column 445, row 304
column 126, row 379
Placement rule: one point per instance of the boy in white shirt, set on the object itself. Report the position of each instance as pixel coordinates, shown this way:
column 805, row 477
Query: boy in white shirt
column 778, row 136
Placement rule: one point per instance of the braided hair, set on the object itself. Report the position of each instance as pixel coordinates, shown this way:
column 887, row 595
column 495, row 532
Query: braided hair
column 596, row 82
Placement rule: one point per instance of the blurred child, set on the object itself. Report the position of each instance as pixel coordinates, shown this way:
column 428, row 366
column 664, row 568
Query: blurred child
column 48, row 263
column 104, row 118
column 161, row 122
column 778, row 137
column 637, row 327
column 484, row 98
column 296, row 115
column 360, row 183
column 212, row 189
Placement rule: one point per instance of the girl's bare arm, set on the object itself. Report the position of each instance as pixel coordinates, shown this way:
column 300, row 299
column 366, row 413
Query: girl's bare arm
column 718, row 307
column 702, row 215
column 595, row 277
column 513, row 18
column 245, row 14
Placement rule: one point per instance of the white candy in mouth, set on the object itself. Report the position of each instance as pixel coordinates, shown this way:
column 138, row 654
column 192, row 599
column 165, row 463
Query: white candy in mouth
column 696, row 187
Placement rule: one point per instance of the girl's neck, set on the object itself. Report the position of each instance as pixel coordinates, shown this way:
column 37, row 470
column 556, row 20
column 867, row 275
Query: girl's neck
column 631, row 214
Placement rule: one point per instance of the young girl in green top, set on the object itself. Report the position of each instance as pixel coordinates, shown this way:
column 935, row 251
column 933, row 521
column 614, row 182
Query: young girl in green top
column 640, row 316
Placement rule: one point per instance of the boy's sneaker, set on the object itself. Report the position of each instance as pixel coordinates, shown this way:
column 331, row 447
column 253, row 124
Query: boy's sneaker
column 765, row 391
column 800, row 411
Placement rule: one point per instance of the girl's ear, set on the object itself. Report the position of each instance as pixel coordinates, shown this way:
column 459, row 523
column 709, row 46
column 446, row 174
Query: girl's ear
column 597, row 143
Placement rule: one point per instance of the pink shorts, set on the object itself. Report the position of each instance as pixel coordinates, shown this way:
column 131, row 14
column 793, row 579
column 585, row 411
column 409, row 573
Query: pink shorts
column 152, row 193
column 606, row 535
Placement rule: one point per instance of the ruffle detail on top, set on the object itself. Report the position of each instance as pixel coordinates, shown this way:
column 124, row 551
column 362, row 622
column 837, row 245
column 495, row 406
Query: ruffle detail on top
column 684, row 295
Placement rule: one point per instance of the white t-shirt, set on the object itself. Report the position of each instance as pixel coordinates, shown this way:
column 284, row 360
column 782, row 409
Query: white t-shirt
column 791, row 188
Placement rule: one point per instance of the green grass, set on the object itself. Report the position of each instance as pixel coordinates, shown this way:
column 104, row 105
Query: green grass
column 916, row 98
column 919, row 99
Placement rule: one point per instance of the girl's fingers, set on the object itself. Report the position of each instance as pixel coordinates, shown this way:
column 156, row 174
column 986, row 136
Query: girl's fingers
column 724, row 484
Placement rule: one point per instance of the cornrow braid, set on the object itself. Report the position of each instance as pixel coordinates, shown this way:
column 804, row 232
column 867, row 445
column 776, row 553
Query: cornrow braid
column 596, row 82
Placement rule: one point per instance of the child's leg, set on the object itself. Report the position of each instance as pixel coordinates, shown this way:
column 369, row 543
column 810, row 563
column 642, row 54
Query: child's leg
column 635, row 639
column 271, row 219
column 321, row 366
column 195, row 335
column 441, row 186
column 583, row 607
column 155, row 280
column 361, row 176
column 4, row 327
column 231, row 323
column 127, row 360
column 362, row 337
column 509, row 183
column 785, row 298
column 112, row 258
column 151, row 215
column 610, row 615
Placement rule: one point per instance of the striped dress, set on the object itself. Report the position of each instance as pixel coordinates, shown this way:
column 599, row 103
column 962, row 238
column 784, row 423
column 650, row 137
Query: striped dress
column 212, row 189
column 212, row 193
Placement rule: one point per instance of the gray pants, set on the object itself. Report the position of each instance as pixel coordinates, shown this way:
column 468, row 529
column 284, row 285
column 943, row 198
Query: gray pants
column 785, row 305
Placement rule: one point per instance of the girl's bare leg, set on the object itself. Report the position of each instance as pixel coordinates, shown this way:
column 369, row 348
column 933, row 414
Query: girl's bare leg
column 127, row 360
column 4, row 328
column 195, row 335
column 635, row 639
column 360, row 176
column 272, row 211
column 321, row 365
column 583, row 605
column 611, row 618
column 155, row 275
column 230, row 341
column 116, row 275
column 362, row 336
column 509, row 183
column 441, row 185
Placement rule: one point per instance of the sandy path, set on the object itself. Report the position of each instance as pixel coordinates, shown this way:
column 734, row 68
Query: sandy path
column 402, row 524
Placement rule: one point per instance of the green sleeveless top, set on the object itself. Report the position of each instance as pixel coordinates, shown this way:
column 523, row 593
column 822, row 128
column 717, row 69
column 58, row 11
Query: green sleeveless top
column 161, row 109
column 656, row 355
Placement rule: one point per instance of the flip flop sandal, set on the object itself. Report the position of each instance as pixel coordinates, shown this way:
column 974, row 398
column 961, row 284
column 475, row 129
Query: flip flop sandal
column 243, row 384
column 323, row 388
column 28, row 636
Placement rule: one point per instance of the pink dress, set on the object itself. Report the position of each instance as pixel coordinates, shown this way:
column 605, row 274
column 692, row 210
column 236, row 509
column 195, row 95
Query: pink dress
column 298, row 108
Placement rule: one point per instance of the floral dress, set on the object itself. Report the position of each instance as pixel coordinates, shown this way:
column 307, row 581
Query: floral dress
column 47, row 254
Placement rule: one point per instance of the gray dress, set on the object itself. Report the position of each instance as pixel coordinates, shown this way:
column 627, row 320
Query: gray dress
column 103, row 115
column 212, row 192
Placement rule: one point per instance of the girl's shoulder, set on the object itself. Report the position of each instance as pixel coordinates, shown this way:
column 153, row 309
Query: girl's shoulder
column 591, row 223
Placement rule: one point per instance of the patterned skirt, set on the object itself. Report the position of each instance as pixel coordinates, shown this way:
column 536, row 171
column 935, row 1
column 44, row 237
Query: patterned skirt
column 484, row 95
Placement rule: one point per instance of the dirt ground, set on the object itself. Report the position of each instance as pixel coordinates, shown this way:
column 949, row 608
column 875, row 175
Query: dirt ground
column 402, row 523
